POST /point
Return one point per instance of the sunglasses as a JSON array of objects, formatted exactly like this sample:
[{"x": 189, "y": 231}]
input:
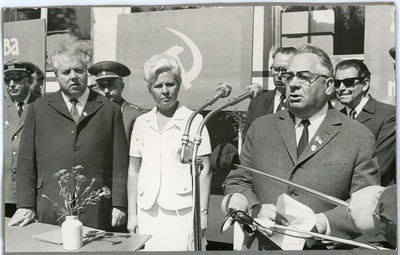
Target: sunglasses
[
  {"x": 277, "y": 69},
  {"x": 16, "y": 78},
  {"x": 348, "y": 82},
  {"x": 305, "y": 77}
]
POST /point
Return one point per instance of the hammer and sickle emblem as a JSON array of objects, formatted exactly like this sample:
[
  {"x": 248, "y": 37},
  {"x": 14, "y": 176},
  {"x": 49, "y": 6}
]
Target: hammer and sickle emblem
[{"x": 174, "y": 51}]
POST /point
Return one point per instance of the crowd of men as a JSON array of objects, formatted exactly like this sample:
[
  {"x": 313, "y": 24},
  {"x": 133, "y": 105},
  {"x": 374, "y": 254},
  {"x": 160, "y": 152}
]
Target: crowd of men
[{"x": 347, "y": 151}]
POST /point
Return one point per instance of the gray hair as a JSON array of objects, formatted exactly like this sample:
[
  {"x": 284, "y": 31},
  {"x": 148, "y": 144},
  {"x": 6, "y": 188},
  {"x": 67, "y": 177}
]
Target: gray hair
[
  {"x": 322, "y": 55},
  {"x": 158, "y": 64},
  {"x": 81, "y": 50}
]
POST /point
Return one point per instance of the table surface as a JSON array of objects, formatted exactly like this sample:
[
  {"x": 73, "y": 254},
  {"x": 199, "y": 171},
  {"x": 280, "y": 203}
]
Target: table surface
[{"x": 19, "y": 239}]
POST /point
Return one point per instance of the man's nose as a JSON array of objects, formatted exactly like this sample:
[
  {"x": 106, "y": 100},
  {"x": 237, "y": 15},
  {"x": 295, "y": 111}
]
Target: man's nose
[
  {"x": 164, "y": 89},
  {"x": 12, "y": 83},
  {"x": 106, "y": 90}
]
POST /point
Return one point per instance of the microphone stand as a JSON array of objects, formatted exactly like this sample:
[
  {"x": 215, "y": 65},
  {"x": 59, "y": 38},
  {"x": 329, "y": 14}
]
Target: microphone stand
[{"x": 196, "y": 169}]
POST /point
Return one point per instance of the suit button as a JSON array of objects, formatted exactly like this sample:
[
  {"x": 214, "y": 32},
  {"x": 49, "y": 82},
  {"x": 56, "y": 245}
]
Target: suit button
[
  {"x": 14, "y": 171},
  {"x": 14, "y": 153},
  {"x": 72, "y": 131},
  {"x": 16, "y": 137},
  {"x": 292, "y": 194}
]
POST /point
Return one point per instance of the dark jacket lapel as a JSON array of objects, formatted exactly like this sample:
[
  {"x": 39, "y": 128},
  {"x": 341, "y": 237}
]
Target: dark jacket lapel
[
  {"x": 287, "y": 131},
  {"x": 93, "y": 103},
  {"x": 368, "y": 110}
]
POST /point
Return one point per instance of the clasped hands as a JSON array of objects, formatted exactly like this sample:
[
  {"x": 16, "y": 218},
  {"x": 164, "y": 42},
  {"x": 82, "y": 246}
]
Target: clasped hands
[{"x": 25, "y": 216}]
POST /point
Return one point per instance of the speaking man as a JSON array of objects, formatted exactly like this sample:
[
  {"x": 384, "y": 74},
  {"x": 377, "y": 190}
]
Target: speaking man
[{"x": 311, "y": 144}]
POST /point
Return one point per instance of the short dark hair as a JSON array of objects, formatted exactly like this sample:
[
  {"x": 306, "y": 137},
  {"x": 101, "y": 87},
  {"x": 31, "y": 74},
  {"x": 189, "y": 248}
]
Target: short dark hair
[
  {"x": 284, "y": 50},
  {"x": 359, "y": 65}
]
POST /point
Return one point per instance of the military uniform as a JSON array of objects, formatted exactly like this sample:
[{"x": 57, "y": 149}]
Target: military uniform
[{"x": 129, "y": 114}]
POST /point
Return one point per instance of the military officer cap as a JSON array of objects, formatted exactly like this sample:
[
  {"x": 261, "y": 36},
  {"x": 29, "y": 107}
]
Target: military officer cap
[
  {"x": 109, "y": 69},
  {"x": 18, "y": 66}
]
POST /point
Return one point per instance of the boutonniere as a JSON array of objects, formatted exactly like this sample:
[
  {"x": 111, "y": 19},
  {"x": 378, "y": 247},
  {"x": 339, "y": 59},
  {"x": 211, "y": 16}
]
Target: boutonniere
[{"x": 319, "y": 140}]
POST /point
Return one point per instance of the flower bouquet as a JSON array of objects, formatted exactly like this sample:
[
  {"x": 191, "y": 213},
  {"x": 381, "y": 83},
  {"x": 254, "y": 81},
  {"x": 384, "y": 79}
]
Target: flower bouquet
[{"x": 75, "y": 197}]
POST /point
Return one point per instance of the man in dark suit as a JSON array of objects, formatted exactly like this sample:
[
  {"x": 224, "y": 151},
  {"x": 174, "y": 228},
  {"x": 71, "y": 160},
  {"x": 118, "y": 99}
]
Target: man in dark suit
[
  {"x": 311, "y": 144},
  {"x": 274, "y": 100},
  {"x": 71, "y": 127},
  {"x": 17, "y": 80},
  {"x": 352, "y": 82},
  {"x": 109, "y": 81}
]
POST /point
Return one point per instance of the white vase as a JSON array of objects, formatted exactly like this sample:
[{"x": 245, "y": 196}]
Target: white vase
[{"x": 72, "y": 233}]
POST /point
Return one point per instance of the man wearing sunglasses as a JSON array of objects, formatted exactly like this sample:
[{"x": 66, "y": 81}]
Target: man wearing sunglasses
[
  {"x": 274, "y": 100},
  {"x": 311, "y": 144},
  {"x": 109, "y": 76},
  {"x": 352, "y": 83},
  {"x": 17, "y": 80}
]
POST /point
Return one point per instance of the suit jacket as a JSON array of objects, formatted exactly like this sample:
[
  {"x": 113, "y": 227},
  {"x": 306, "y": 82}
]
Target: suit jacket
[
  {"x": 129, "y": 114},
  {"x": 386, "y": 209},
  {"x": 52, "y": 141},
  {"x": 380, "y": 119},
  {"x": 337, "y": 161},
  {"x": 259, "y": 106},
  {"x": 13, "y": 125}
]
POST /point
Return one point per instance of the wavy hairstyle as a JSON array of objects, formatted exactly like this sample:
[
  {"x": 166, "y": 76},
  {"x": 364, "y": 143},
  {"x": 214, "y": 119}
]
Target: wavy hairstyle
[{"x": 158, "y": 64}]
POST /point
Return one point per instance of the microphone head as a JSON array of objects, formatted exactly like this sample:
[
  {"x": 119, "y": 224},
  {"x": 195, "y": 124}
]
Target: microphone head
[
  {"x": 225, "y": 88},
  {"x": 224, "y": 156},
  {"x": 256, "y": 88},
  {"x": 236, "y": 202}
]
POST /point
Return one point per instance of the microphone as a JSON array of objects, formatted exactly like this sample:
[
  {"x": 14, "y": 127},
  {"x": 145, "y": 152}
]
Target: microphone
[
  {"x": 223, "y": 157},
  {"x": 252, "y": 91},
  {"x": 222, "y": 90},
  {"x": 231, "y": 203}
]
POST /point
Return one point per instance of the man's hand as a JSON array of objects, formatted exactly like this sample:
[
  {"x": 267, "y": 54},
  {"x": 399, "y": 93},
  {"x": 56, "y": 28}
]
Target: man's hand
[
  {"x": 268, "y": 218},
  {"x": 118, "y": 217},
  {"x": 361, "y": 209},
  {"x": 22, "y": 217},
  {"x": 133, "y": 223}
]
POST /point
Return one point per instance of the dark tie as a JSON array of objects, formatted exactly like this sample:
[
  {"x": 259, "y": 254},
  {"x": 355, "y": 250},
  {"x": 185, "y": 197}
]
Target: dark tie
[
  {"x": 282, "y": 103},
  {"x": 20, "y": 108},
  {"x": 74, "y": 110},
  {"x": 304, "y": 137},
  {"x": 352, "y": 114}
]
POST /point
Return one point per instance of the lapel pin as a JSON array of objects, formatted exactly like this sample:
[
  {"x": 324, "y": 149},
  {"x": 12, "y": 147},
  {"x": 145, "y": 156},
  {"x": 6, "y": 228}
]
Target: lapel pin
[
  {"x": 84, "y": 114},
  {"x": 7, "y": 123},
  {"x": 313, "y": 147},
  {"x": 319, "y": 140}
]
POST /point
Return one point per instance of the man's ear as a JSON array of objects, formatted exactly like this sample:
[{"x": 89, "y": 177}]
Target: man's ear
[
  {"x": 366, "y": 84},
  {"x": 329, "y": 86}
]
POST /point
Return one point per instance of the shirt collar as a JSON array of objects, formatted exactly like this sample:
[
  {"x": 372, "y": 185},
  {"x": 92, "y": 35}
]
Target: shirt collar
[
  {"x": 82, "y": 99},
  {"x": 25, "y": 100},
  {"x": 360, "y": 106},
  {"x": 316, "y": 119}
]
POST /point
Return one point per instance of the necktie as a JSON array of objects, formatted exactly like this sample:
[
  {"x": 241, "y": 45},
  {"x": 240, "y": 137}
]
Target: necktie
[
  {"x": 282, "y": 103},
  {"x": 352, "y": 114},
  {"x": 304, "y": 137},
  {"x": 74, "y": 110},
  {"x": 20, "y": 108}
]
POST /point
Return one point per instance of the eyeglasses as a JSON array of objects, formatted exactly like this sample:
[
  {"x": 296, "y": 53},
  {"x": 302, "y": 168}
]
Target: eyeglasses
[
  {"x": 277, "y": 69},
  {"x": 348, "y": 82},
  {"x": 16, "y": 78},
  {"x": 305, "y": 77}
]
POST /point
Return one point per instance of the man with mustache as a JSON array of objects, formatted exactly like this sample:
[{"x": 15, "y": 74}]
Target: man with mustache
[
  {"x": 17, "y": 80},
  {"x": 311, "y": 144},
  {"x": 73, "y": 126},
  {"x": 352, "y": 83},
  {"x": 109, "y": 81}
]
